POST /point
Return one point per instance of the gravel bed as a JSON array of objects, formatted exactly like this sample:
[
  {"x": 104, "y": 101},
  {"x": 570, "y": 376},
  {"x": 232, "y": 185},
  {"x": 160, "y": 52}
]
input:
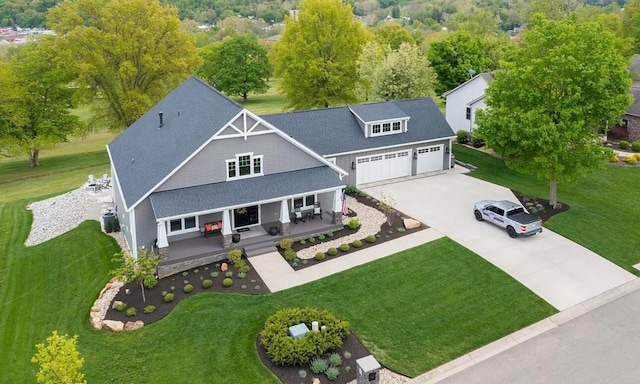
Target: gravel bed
[{"x": 371, "y": 221}]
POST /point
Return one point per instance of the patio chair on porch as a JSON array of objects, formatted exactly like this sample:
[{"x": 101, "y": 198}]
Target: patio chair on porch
[
  {"x": 317, "y": 211},
  {"x": 297, "y": 215}
]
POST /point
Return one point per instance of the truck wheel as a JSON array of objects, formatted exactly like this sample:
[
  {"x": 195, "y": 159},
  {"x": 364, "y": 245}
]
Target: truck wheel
[
  {"x": 478, "y": 215},
  {"x": 512, "y": 232}
]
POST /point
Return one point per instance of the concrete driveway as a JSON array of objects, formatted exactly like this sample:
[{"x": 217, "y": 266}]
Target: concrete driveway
[{"x": 558, "y": 270}]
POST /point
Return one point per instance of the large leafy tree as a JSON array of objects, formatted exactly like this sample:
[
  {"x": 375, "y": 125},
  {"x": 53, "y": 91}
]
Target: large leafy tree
[
  {"x": 128, "y": 54},
  {"x": 236, "y": 66},
  {"x": 393, "y": 34},
  {"x": 59, "y": 360},
  {"x": 631, "y": 22},
  {"x": 403, "y": 74},
  {"x": 317, "y": 54},
  {"x": 555, "y": 90},
  {"x": 35, "y": 98},
  {"x": 460, "y": 55}
]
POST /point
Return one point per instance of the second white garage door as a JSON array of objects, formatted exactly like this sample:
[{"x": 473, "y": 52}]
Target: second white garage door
[
  {"x": 383, "y": 166},
  {"x": 430, "y": 159}
]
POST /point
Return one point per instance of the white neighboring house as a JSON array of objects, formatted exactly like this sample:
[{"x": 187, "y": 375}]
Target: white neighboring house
[{"x": 463, "y": 101}]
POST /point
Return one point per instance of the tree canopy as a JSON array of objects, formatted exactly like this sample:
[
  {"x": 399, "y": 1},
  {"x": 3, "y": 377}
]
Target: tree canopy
[
  {"x": 236, "y": 66},
  {"x": 128, "y": 54},
  {"x": 393, "y": 34},
  {"x": 59, "y": 360},
  {"x": 317, "y": 54},
  {"x": 459, "y": 56},
  {"x": 563, "y": 82},
  {"x": 35, "y": 98},
  {"x": 140, "y": 270}
]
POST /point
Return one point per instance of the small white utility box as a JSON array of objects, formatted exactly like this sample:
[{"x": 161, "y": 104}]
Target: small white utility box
[{"x": 368, "y": 370}]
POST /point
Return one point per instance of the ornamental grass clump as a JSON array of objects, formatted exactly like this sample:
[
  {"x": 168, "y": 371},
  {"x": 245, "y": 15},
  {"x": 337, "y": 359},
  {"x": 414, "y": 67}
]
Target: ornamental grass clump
[
  {"x": 332, "y": 373},
  {"x": 318, "y": 365}
]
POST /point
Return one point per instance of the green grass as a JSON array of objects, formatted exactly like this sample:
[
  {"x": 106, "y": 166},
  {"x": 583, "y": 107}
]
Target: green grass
[
  {"x": 265, "y": 103},
  {"x": 603, "y": 205}
]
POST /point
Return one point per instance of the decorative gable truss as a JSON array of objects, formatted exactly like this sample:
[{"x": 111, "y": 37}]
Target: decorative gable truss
[{"x": 244, "y": 125}]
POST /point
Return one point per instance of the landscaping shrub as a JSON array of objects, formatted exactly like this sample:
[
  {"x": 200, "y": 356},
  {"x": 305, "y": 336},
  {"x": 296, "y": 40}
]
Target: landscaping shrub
[
  {"x": 149, "y": 309},
  {"x": 286, "y": 243},
  {"x": 312, "y": 239},
  {"x": 321, "y": 237},
  {"x": 400, "y": 229},
  {"x": 303, "y": 242},
  {"x": 227, "y": 282},
  {"x": 370, "y": 239},
  {"x": 228, "y": 274},
  {"x": 357, "y": 243},
  {"x": 185, "y": 282},
  {"x": 285, "y": 350},
  {"x": 631, "y": 160},
  {"x": 242, "y": 266},
  {"x": 637, "y": 156},
  {"x": 131, "y": 311},
  {"x": 332, "y": 251},
  {"x": 164, "y": 293},
  {"x": 120, "y": 306},
  {"x": 351, "y": 189},
  {"x": 332, "y": 373},
  {"x": 329, "y": 234},
  {"x": 335, "y": 360},
  {"x": 173, "y": 288},
  {"x": 635, "y": 146},
  {"x": 347, "y": 355},
  {"x": 462, "y": 136},
  {"x": 234, "y": 256},
  {"x": 185, "y": 273},
  {"x": 188, "y": 288},
  {"x": 196, "y": 270},
  {"x": 353, "y": 223},
  {"x": 214, "y": 274},
  {"x": 207, "y": 284},
  {"x": 613, "y": 159},
  {"x": 150, "y": 281},
  {"x": 624, "y": 144},
  {"x": 318, "y": 365},
  {"x": 241, "y": 275},
  {"x": 319, "y": 256},
  {"x": 289, "y": 254},
  {"x": 477, "y": 142},
  {"x": 344, "y": 247},
  {"x": 168, "y": 297}
]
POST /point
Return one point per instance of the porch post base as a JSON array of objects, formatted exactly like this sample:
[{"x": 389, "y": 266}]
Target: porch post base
[
  {"x": 336, "y": 217},
  {"x": 285, "y": 229},
  {"x": 163, "y": 253},
  {"x": 226, "y": 241}
]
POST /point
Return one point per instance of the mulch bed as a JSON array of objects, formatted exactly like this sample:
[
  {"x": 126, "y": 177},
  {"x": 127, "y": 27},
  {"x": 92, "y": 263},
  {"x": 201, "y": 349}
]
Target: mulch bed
[
  {"x": 547, "y": 210},
  {"x": 292, "y": 374},
  {"x": 251, "y": 284},
  {"x": 387, "y": 233}
]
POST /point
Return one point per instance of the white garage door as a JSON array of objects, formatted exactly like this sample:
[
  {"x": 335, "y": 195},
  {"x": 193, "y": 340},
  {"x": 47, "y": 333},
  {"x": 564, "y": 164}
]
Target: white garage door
[
  {"x": 430, "y": 159},
  {"x": 383, "y": 166}
]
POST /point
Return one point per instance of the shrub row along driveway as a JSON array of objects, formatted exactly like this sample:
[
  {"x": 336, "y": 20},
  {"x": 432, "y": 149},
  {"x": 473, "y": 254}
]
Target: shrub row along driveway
[{"x": 558, "y": 270}]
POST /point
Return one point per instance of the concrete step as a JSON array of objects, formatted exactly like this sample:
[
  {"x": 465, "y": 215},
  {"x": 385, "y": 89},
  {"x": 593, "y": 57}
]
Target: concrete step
[{"x": 256, "y": 251}]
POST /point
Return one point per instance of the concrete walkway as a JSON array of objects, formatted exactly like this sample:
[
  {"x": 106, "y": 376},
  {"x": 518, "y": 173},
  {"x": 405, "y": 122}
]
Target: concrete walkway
[
  {"x": 558, "y": 270},
  {"x": 278, "y": 275}
]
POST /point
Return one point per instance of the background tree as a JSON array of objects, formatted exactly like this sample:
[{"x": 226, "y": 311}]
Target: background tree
[
  {"x": 128, "y": 54},
  {"x": 631, "y": 22},
  {"x": 59, "y": 361},
  {"x": 141, "y": 270},
  {"x": 404, "y": 74},
  {"x": 454, "y": 56},
  {"x": 236, "y": 66},
  {"x": 393, "y": 34},
  {"x": 35, "y": 98},
  {"x": 553, "y": 9},
  {"x": 316, "y": 57},
  {"x": 550, "y": 98},
  {"x": 370, "y": 59}
]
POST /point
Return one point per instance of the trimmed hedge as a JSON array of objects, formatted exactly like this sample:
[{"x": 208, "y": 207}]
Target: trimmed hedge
[{"x": 283, "y": 349}]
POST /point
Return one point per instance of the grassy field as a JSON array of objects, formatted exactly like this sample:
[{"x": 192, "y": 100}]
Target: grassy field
[
  {"x": 265, "y": 103},
  {"x": 603, "y": 206},
  {"x": 432, "y": 303}
]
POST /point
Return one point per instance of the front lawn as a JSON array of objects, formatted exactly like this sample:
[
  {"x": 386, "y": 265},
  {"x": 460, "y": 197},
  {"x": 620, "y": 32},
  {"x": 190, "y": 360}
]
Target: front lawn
[{"x": 603, "y": 206}]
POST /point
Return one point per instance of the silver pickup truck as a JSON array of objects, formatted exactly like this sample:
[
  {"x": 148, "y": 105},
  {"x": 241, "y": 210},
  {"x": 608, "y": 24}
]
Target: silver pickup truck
[{"x": 508, "y": 215}]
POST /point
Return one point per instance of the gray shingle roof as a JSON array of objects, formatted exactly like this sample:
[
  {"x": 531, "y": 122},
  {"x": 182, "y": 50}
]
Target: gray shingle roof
[
  {"x": 145, "y": 153},
  {"x": 242, "y": 192},
  {"x": 378, "y": 111},
  {"x": 634, "y": 109},
  {"x": 336, "y": 130}
]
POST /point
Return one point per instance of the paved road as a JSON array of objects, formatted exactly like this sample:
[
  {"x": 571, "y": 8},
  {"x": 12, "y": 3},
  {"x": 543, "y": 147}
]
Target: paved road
[
  {"x": 601, "y": 346},
  {"x": 560, "y": 271}
]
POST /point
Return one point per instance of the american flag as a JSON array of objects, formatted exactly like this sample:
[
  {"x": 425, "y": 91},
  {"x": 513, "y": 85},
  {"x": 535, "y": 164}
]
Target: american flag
[{"x": 345, "y": 208}]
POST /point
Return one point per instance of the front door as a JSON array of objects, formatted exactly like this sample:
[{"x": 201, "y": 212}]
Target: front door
[{"x": 245, "y": 216}]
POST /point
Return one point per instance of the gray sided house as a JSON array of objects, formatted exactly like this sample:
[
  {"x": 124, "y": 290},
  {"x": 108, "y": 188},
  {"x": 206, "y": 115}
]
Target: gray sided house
[{"x": 199, "y": 174}]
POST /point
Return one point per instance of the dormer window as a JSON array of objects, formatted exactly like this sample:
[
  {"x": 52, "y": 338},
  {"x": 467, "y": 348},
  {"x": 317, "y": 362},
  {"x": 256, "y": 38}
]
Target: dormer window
[
  {"x": 244, "y": 165},
  {"x": 378, "y": 129}
]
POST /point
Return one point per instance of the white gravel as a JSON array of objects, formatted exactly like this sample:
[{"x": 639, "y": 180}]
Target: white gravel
[{"x": 371, "y": 221}]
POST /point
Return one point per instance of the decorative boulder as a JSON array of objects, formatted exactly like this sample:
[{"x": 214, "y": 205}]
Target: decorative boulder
[
  {"x": 113, "y": 326},
  {"x": 116, "y": 303},
  {"x": 411, "y": 224},
  {"x": 224, "y": 267},
  {"x": 133, "y": 325},
  {"x": 96, "y": 320}
]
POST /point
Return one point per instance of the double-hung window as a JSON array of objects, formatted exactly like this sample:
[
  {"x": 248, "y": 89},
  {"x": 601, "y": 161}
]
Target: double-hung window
[
  {"x": 183, "y": 224},
  {"x": 304, "y": 202},
  {"x": 244, "y": 165}
]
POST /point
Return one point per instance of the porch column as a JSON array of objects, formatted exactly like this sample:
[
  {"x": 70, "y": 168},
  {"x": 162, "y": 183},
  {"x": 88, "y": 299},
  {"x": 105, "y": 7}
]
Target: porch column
[
  {"x": 284, "y": 218},
  {"x": 226, "y": 229},
  {"x": 162, "y": 242},
  {"x": 337, "y": 207}
]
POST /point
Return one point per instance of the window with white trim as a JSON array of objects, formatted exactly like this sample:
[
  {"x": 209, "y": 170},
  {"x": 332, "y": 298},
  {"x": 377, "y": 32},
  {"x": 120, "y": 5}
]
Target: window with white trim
[
  {"x": 468, "y": 113},
  {"x": 304, "y": 202},
  {"x": 184, "y": 224},
  {"x": 244, "y": 165},
  {"x": 387, "y": 128}
]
